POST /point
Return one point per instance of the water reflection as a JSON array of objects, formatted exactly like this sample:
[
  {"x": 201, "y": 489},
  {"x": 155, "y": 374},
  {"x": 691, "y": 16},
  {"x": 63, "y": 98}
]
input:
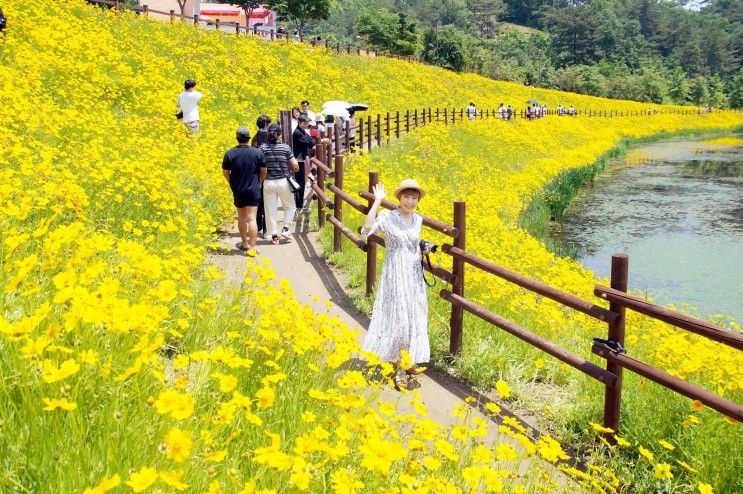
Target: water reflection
[{"x": 677, "y": 209}]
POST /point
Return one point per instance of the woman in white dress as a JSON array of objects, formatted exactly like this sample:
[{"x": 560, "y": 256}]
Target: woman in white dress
[{"x": 400, "y": 315}]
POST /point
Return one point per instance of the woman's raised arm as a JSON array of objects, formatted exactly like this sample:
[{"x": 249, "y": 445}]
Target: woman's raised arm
[{"x": 379, "y": 194}]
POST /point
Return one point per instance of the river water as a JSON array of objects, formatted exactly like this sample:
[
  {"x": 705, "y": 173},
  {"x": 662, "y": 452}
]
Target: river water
[{"x": 676, "y": 208}]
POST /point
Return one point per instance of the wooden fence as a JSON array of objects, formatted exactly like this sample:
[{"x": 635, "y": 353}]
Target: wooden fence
[{"x": 329, "y": 160}]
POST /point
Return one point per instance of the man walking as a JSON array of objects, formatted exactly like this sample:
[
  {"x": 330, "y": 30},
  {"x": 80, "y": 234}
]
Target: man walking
[
  {"x": 244, "y": 167},
  {"x": 188, "y": 106},
  {"x": 303, "y": 144},
  {"x": 471, "y": 111}
]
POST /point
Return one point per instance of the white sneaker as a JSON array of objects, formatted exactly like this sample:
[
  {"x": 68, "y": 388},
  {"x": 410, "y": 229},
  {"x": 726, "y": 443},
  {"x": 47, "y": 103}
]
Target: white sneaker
[{"x": 285, "y": 233}]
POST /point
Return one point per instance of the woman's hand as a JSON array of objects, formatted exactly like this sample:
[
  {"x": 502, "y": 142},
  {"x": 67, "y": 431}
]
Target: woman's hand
[{"x": 379, "y": 192}]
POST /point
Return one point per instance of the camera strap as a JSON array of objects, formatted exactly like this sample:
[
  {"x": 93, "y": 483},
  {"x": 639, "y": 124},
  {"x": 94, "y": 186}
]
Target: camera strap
[{"x": 427, "y": 261}]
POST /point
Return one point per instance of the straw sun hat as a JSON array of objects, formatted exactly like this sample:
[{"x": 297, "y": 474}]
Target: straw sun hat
[{"x": 409, "y": 183}]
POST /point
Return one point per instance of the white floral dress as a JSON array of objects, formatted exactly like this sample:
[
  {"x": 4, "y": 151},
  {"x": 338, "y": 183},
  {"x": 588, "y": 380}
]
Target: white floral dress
[{"x": 400, "y": 316}]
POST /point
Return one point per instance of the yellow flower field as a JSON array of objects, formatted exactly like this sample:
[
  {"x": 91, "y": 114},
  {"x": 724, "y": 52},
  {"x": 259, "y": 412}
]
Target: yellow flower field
[{"x": 126, "y": 365}]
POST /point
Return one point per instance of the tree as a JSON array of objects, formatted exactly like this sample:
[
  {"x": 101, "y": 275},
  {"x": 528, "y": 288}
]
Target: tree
[
  {"x": 575, "y": 31},
  {"x": 678, "y": 89},
  {"x": 182, "y": 6},
  {"x": 717, "y": 96},
  {"x": 699, "y": 92},
  {"x": 298, "y": 12},
  {"x": 387, "y": 31},
  {"x": 248, "y": 7},
  {"x": 444, "y": 47},
  {"x": 486, "y": 13},
  {"x": 736, "y": 91},
  {"x": 654, "y": 86}
]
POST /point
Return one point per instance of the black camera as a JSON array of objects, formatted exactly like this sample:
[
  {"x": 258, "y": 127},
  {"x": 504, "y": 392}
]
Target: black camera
[{"x": 425, "y": 245}]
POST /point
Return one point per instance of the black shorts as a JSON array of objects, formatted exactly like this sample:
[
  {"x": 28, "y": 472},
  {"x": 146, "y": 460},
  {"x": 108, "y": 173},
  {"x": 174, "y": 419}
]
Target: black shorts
[{"x": 245, "y": 200}]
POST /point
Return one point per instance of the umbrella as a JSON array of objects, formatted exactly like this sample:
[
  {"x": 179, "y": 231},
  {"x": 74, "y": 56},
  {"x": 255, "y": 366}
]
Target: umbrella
[
  {"x": 336, "y": 108},
  {"x": 358, "y": 107},
  {"x": 532, "y": 102}
]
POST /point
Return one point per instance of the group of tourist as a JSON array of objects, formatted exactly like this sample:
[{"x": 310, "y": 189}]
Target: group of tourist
[{"x": 570, "y": 111}]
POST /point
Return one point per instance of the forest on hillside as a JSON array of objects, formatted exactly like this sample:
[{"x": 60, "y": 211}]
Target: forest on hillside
[{"x": 658, "y": 51}]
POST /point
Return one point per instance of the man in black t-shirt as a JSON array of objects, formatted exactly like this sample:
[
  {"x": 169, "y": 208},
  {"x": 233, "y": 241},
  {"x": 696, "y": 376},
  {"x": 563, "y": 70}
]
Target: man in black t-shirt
[
  {"x": 244, "y": 167},
  {"x": 302, "y": 144}
]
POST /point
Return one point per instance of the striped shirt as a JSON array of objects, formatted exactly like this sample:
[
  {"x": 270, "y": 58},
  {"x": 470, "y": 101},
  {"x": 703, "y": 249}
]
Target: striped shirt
[{"x": 277, "y": 160}]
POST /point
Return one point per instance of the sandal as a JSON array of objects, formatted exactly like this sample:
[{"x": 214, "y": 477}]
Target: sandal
[
  {"x": 400, "y": 382},
  {"x": 275, "y": 240},
  {"x": 240, "y": 246},
  {"x": 413, "y": 383}
]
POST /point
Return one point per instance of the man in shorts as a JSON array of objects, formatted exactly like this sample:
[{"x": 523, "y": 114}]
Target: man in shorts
[{"x": 244, "y": 167}]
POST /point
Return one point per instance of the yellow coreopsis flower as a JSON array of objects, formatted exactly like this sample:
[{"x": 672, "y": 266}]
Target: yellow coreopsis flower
[
  {"x": 178, "y": 444},
  {"x": 503, "y": 389},
  {"x": 104, "y": 486},
  {"x": 54, "y": 404},
  {"x": 173, "y": 479},
  {"x": 179, "y": 405},
  {"x": 379, "y": 454},
  {"x": 52, "y": 373},
  {"x": 646, "y": 453},
  {"x": 663, "y": 471},
  {"x": 142, "y": 479},
  {"x": 266, "y": 397}
]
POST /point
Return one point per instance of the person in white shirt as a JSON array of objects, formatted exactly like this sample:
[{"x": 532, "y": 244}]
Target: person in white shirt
[
  {"x": 471, "y": 111},
  {"x": 188, "y": 105}
]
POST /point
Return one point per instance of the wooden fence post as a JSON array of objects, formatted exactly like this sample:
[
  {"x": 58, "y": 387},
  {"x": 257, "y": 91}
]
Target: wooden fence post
[
  {"x": 320, "y": 155},
  {"x": 379, "y": 130},
  {"x": 145, "y": 10},
  {"x": 371, "y": 245},
  {"x": 216, "y": 24},
  {"x": 457, "y": 313},
  {"x": 613, "y": 395},
  {"x": 172, "y": 16},
  {"x": 437, "y": 115},
  {"x": 368, "y": 132},
  {"x": 285, "y": 120},
  {"x": 347, "y": 136},
  {"x": 237, "y": 29},
  {"x": 407, "y": 121},
  {"x": 338, "y": 203},
  {"x": 360, "y": 134},
  {"x": 337, "y": 132},
  {"x": 397, "y": 125},
  {"x": 117, "y": 6},
  {"x": 446, "y": 116},
  {"x": 196, "y": 20},
  {"x": 415, "y": 118},
  {"x": 387, "y": 127}
]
